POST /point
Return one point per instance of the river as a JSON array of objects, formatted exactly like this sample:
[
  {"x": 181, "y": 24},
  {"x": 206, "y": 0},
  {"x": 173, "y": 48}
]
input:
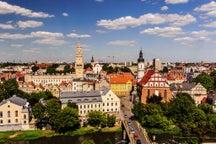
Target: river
[{"x": 99, "y": 138}]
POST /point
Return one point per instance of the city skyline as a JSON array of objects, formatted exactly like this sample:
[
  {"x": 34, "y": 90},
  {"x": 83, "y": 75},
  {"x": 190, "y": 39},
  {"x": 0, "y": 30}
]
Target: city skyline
[{"x": 171, "y": 30}]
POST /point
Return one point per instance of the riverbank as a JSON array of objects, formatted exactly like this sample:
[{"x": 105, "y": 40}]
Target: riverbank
[{"x": 36, "y": 134}]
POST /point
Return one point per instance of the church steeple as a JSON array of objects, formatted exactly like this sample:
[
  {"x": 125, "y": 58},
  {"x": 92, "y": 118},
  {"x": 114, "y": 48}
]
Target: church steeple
[
  {"x": 92, "y": 60},
  {"x": 140, "y": 59}
]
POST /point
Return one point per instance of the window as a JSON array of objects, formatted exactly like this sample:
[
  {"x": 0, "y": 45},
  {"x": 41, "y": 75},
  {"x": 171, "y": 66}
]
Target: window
[
  {"x": 1, "y": 114},
  {"x": 107, "y": 104},
  {"x": 8, "y": 113},
  {"x": 8, "y": 106},
  {"x": 16, "y": 113},
  {"x": 24, "y": 116},
  {"x": 1, "y": 121},
  {"x": 16, "y": 120},
  {"x": 111, "y": 104},
  {"x": 9, "y": 121},
  {"x": 24, "y": 122}
]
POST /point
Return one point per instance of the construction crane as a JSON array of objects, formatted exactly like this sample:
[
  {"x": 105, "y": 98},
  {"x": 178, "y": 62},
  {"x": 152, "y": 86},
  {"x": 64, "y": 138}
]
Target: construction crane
[{"x": 112, "y": 58}]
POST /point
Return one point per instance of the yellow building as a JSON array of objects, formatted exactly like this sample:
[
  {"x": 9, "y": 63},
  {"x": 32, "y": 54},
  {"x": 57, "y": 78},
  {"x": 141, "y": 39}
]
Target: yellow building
[
  {"x": 79, "y": 66},
  {"x": 14, "y": 114},
  {"x": 122, "y": 83}
]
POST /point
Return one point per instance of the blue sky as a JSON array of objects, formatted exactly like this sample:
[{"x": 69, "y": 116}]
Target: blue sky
[{"x": 48, "y": 30}]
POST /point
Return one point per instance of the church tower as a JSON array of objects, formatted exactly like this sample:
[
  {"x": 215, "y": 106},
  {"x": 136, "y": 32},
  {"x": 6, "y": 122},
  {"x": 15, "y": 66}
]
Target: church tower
[
  {"x": 79, "y": 66},
  {"x": 92, "y": 61},
  {"x": 140, "y": 66}
]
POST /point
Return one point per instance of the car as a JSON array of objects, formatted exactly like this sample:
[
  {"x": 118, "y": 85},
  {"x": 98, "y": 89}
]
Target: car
[
  {"x": 138, "y": 141},
  {"x": 125, "y": 116}
]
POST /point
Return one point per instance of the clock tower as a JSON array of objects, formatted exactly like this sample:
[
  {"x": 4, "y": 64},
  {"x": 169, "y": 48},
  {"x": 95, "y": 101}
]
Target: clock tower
[{"x": 79, "y": 66}]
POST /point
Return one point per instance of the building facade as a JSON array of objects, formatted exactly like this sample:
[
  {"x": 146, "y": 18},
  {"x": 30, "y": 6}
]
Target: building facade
[
  {"x": 196, "y": 91},
  {"x": 14, "y": 114},
  {"x": 102, "y": 100},
  {"x": 122, "y": 83},
  {"x": 152, "y": 84}
]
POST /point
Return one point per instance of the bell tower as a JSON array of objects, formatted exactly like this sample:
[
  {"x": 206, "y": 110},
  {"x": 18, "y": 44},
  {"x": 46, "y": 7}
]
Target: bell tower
[
  {"x": 140, "y": 66},
  {"x": 79, "y": 66}
]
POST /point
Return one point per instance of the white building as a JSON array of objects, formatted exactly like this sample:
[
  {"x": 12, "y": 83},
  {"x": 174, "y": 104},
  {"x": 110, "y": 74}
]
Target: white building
[{"x": 102, "y": 100}]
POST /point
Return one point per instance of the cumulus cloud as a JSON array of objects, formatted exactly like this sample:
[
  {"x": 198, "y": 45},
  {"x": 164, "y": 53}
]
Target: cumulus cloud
[
  {"x": 6, "y": 8},
  {"x": 163, "y": 32},
  {"x": 154, "y": 19},
  {"x": 50, "y": 41},
  {"x": 29, "y": 24},
  {"x": 189, "y": 40},
  {"x": 122, "y": 43},
  {"x": 65, "y": 14},
  {"x": 74, "y": 35},
  {"x": 6, "y": 26},
  {"x": 44, "y": 34},
  {"x": 209, "y": 9},
  {"x": 175, "y": 1},
  {"x": 164, "y": 8},
  {"x": 210, "y": 25},
  {"x": 14, "y": 36}
]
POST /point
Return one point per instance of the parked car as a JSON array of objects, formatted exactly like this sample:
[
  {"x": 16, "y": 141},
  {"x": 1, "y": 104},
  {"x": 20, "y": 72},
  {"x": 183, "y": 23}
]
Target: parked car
[
  {"x": 129, "y": 123},
  {"x": 138, "y": 141}
]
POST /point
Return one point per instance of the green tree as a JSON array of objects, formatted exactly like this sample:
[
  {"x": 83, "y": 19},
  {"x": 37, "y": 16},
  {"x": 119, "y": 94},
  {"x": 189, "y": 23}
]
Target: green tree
[
  {"x": 154, "y": 99},
  {"x": 207, "y": 108},
  {"x": 72, "y": 105},
  {"x": 213, "y": 76},
  {"x": 68, "y": 120},
  {"x": 111, "y": 119},
  {"x": 91, "y": 141},
  {"x": 95, "y": 118},
  {"x": 34, "y": 68},
  {"x": 52, "y": 108},
  {"x": 205, "y": 80},
  {"x": 87, "y": 65},
  {"x": 11, "y": 87},
  {"x": 38, "y": 111}
]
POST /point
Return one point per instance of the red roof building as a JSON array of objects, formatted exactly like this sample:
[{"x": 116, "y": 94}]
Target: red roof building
[{"x": 151, "y": 84}]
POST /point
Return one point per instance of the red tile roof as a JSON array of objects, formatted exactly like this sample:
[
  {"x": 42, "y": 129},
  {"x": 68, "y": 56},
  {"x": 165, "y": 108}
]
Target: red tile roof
[
  {"x": 88, "y": 69},
  {"x": 121, "y": 78},
  {"x": 146, "y": 77}
]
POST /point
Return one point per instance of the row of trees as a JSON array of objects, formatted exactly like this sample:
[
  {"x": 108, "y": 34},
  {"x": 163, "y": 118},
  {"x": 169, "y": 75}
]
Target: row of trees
[
  {"x": 67, "y": 119},
  {"x": 180, "y": 116}
]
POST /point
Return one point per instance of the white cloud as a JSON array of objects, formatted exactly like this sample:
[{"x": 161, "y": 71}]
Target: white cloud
[
  {"x": 209, "y": 9},
  {"x": 29, "y": 24},
  {"x": 163, "y": 32},
  {"x": 6, "y": 26},
  {"x": 210, "y": 25},
  {"x": 32, "y": 50},
  {"x": 203, "y": 33},
  {"x": 44, "y": 34},
  {"x": 6, "y": 8},
  {"x": 65, "y": 14},
  {"x": 122, "y": 43},
  {"x": 14, "y": 36},
  {"x": 176, "y": 1},
  {"x": 190, "y": 40},
  {"x": 74, "y": 35},
  {"x": 164, "y": 8},
  {"x": 154, "y": 19},
  {"x": 50, "y": 41},
  {"x": 99, "y": 0},
  {"x": 101, "y": 31},
  {"x": 16, "y": 45}
]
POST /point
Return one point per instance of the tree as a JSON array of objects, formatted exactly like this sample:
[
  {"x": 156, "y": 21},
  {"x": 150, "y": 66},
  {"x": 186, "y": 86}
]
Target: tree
[
  {"x": 38, "y": 111},
  {"x": 52, "y": 108},
  {"x": 88, "y": 65},
  {"x": 213, "y": 76},
  {"x": 154, "y": 99},
  {"x": 91, "y": 141},
  {"x": 11, "y": 87},
  {"x": 68, "y": 120},
  {"x": 95, "y": 118},
  {"x": 34, "y": 68},
  {"x": 165, "y": 70},
  {"x": 207, "y": 108},
  {"x": 181, "y": 107},
  {"x": 111, "y": 119},
  {"x": 72, "y": 105},
  {"x": 205, "y": 80}
]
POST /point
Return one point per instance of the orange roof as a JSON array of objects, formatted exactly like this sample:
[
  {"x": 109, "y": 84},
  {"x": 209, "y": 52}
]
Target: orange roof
[
  {"x": 88, "y": 69},
  {"x": 146, "y": 77},
  {"x": 121, "y": 78},
  {"x": 204, "y": 100}
]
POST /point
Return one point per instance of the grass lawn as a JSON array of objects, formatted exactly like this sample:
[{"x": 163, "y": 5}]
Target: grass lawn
[{"x": 35, "y": 134}]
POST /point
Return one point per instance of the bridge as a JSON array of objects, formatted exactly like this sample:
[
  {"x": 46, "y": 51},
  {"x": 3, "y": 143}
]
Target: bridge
[{"x": 128, "y": 136}]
